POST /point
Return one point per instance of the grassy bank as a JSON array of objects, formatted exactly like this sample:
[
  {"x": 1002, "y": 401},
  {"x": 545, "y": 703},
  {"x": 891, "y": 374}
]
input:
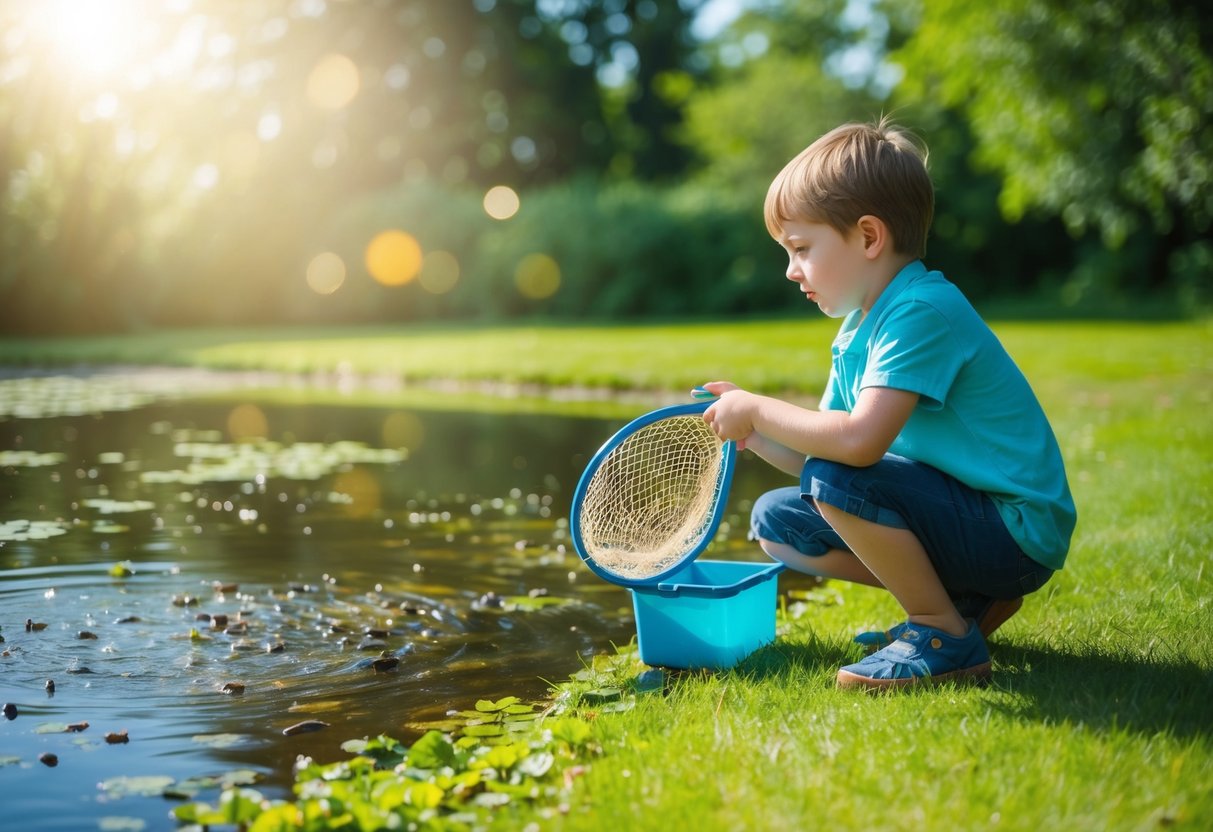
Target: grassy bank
[
  {"x": 770, "y": 355},
  {"x": 1098, "y": 716}
]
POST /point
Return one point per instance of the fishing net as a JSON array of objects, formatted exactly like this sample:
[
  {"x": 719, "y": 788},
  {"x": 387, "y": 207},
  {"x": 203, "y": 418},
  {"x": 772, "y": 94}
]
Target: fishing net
[{"x": 651, "y": 500}]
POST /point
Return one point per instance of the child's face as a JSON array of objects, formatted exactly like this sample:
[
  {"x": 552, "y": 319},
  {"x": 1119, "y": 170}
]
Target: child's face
[{"x": 827, "y": 266}]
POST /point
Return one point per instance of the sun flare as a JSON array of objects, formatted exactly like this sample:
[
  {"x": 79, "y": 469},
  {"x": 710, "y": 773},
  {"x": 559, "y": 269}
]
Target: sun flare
[{"x": 91, "y": 36}]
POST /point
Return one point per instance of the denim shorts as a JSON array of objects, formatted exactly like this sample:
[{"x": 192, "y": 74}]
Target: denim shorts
[{"x": 960, "y": 528}]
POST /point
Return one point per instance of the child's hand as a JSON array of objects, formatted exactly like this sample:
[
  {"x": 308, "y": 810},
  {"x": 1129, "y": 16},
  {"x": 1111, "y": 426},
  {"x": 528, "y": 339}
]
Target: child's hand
[{"x": 730, "y": 417}]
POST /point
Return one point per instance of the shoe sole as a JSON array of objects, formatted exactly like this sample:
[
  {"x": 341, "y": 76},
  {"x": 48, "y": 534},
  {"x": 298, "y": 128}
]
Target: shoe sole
[
  {"x": 997, "y": 615},
  {"x": 977, "y": 674}
]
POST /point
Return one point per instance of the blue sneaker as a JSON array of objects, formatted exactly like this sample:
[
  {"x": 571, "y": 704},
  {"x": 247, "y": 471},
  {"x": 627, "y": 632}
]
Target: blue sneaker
[
  {"x": 989, "y": 613},
  {"x": 921, "y": 655},
  {"x": 873, "y": 640}
]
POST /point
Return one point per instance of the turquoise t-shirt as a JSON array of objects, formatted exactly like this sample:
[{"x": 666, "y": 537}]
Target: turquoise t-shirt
[{"x": 977, "y": 418}]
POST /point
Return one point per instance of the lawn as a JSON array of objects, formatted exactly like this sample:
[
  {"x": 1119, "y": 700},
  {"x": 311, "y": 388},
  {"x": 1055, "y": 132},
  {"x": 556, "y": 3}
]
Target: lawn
[{"x": 1098, "y": 717}]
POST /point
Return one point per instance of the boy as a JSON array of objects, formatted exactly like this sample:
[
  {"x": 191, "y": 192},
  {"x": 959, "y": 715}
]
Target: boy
[{"x": 930, "y": 468}]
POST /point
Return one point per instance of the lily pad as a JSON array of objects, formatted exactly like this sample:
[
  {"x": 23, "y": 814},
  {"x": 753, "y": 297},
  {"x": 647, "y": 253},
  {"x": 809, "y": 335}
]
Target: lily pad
[
  {"x": 150, "y": 785},
  {"x": 106, "y": 506},
  {"x": 18, "y": 530},
  {"x": 115, "y": 823},
  {"x": 51, "y": 728},
  {"x": 218, "y": 740},
  {"x": 530, "y": 603},
  {"x": 29, "y": 459},
  {"x": 213, "y": 461}
]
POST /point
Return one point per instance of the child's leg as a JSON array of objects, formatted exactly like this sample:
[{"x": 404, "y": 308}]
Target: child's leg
[
  {"x": 900, "y": 563},
  {"x": 834, "y": 563},
  {"x": 791, "y": 530}
]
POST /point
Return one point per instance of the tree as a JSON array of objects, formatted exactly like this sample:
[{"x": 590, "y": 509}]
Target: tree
[
  {"x": 1096, "y": 111},
  {"x": 165, "y": 163},
  {"x": 772, "y": 93}
]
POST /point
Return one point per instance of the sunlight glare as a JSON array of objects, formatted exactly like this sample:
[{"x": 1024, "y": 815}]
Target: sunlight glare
[{"x": 93, "y": 37}]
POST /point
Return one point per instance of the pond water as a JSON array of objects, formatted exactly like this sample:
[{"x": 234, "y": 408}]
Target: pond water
[{"x": 196, "y": 572}]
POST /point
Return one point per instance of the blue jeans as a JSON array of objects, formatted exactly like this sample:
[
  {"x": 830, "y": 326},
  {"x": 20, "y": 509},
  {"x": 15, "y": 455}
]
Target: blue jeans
[{"x": 960, "y": 528}]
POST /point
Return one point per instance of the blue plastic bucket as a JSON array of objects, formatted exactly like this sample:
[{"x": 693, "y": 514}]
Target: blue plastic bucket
[{"x": 709, "y": 614}]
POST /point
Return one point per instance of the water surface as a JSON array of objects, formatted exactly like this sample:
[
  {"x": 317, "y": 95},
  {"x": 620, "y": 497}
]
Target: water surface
[{"x": 328, "y": 536}]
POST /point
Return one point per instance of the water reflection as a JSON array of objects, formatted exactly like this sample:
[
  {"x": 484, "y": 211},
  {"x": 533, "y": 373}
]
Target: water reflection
[{"x": 290, "y": 581}]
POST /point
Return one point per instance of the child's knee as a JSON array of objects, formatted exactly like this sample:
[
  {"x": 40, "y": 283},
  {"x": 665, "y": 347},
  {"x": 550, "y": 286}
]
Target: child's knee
[{"x": 785, "y": 518}]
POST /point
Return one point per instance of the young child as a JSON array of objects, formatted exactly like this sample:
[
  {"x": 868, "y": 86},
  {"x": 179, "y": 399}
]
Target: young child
[{"x": 930, "y": 468}]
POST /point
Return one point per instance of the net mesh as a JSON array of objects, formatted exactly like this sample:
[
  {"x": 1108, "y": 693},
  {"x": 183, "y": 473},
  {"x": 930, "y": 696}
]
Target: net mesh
[{"x": 651, "y": 500}]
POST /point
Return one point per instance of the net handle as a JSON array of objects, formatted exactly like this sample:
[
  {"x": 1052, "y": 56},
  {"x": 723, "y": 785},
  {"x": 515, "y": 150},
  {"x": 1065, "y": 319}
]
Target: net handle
[{"x": 728, "y": 452}]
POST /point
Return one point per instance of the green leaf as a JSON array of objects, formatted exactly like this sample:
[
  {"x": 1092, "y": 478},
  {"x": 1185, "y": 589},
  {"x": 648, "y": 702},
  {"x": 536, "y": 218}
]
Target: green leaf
[
  {"x": 433, "y": 750},
  {"x": 601, "y": 695},
  {"x": 279, "y": 817},
  {"x": 152, "y": 785},
  {"x": 239, "y": 806},
  {"x": 423, "y": 795},
  {"x": 494, "y": 729},
  {"x": 571, "y": 730},
  {"x": 489, "y": 706},
  {"x": 502, "y": 757}
]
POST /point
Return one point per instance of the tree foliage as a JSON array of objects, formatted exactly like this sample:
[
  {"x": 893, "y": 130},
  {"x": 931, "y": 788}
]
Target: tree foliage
[
  {"x": 174, "y": 163},
  {"x": 1097, "y": 111}
]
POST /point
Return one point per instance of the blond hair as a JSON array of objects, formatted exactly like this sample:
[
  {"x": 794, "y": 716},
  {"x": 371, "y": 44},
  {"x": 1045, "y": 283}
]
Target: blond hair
[{"x": 857, "y": 169}]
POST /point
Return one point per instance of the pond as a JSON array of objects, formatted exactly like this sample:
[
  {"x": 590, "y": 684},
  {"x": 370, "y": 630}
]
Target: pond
[{"x": 191, "y": 569}]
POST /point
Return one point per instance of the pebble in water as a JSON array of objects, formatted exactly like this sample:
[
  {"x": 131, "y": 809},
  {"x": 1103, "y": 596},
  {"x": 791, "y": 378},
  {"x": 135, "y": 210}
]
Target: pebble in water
[
  {"x": 305, "y": 727},
  {"x": 48, "y": 759}
]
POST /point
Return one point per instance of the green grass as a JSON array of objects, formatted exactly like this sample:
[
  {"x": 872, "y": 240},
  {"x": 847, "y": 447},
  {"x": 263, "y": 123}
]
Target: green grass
[{"x": 1099, "y": 716}]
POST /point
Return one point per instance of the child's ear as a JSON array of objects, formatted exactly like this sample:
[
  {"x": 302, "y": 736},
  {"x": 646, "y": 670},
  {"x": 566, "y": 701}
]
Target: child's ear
[{"x": 875, "y": 235}]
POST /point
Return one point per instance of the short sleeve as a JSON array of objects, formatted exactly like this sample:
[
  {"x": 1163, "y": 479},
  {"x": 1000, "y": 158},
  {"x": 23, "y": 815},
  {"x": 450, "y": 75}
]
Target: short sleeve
[
  {"x": 915, "y": 349},
  {"x": 832, "y": 398}
]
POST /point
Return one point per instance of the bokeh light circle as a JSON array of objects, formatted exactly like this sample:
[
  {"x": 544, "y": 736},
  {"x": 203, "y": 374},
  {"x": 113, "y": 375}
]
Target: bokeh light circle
[
  {"x": 247, "y": 421},
  {"x": 402, "y": 429},
  {"x": 501, "y": 202},
  {"x": 537, "y": 276},
  {"x": 333, "y": 82},
  {"x": 393, "y": 257},
  {"x": 325, "y": 273},
  {"x": 439, "y": 272}
]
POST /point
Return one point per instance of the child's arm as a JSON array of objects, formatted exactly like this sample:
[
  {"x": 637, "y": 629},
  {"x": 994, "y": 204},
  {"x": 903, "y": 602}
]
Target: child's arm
[
  {"x": 859, "y": 437},
  {"x": 779, "y": 456}
]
